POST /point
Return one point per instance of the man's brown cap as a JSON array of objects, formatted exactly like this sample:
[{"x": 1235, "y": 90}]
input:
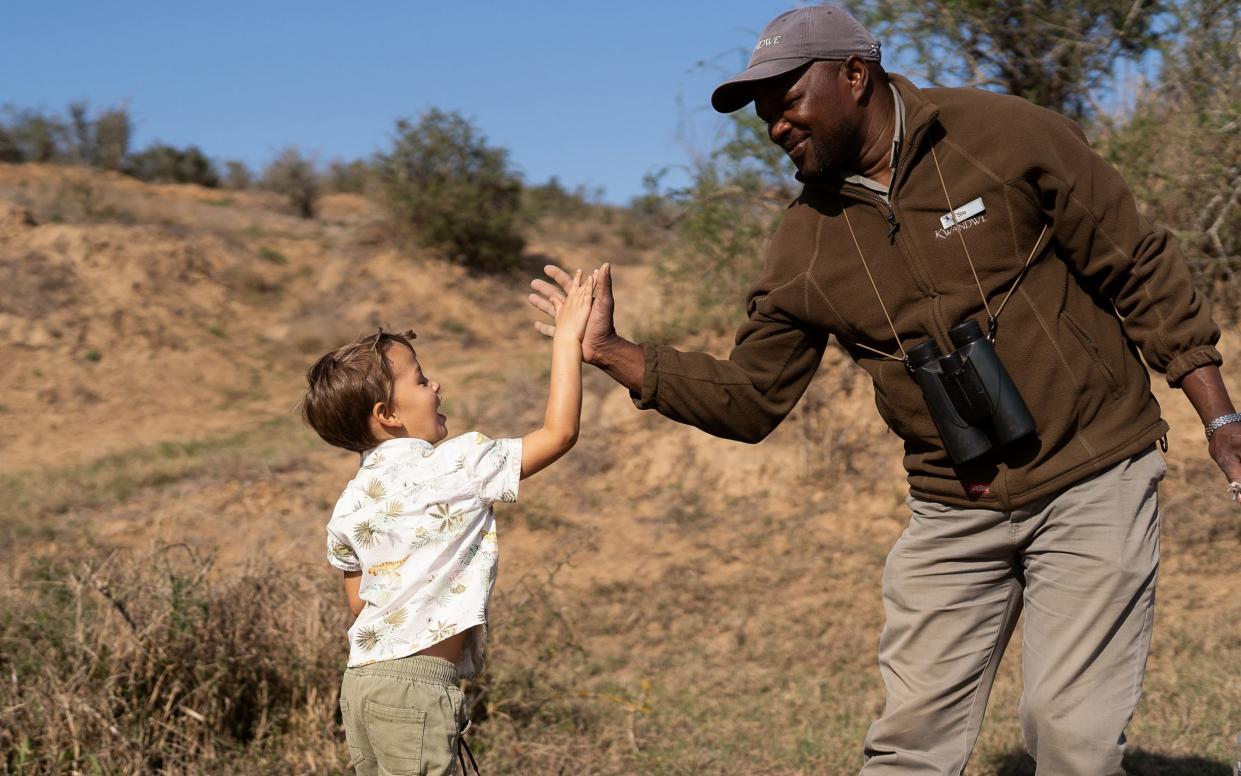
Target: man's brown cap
[{"x": 791, "y": 40}]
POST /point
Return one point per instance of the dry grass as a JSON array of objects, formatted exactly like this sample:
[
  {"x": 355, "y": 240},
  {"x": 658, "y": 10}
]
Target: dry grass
[{"x": 147, "y": 662}]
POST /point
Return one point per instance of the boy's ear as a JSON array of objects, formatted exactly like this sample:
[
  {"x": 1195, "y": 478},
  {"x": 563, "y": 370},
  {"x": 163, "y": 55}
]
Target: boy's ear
[{"x": 386, "y": 416}]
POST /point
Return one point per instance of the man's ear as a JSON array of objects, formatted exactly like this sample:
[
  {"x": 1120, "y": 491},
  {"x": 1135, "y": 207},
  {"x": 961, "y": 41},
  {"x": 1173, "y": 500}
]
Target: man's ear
[
  {"x": 855, "y": 71},
  {"x": 385, "y": 415}
]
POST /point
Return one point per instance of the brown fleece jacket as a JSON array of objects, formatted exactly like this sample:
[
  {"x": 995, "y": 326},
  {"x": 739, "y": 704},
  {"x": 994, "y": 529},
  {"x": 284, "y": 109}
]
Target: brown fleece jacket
[{"x": 1104, "y": 285}]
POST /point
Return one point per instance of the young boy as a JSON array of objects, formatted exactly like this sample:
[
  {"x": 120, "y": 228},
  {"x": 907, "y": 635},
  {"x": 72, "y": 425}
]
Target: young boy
[{"x": 414, "y": 534}]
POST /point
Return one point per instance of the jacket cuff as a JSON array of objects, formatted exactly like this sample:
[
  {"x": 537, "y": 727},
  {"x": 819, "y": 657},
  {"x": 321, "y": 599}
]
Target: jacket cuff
[
  {"x": 650, "y": 378},
  {"x": 1184, "y": 363}
]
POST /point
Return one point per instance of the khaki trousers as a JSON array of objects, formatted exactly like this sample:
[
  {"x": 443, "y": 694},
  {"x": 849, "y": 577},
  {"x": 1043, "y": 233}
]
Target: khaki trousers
[
  {"x": 402, "y": 717},
  {"x": 1082, "y": 563}
]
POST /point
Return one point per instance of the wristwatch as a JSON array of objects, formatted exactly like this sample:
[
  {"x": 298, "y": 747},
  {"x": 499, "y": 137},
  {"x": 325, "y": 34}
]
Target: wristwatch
[{"x": 1221, "y": 421}]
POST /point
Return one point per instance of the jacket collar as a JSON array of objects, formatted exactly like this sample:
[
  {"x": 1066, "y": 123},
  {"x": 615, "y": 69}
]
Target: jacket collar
[{"x": 919, "y": 110}]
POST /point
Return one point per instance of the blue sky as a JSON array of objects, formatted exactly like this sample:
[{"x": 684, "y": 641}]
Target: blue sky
[{"x": 594, "y": 93}]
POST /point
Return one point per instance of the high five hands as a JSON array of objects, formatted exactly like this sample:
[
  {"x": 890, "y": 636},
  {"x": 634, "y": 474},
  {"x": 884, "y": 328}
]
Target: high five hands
[
  {"x": 573, "y": 310},
  {"x": 549, "y": 297}
]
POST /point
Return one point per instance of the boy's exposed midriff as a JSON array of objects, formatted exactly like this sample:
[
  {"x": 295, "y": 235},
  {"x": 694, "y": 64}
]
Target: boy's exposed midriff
[{"x": 448, "y": 649}]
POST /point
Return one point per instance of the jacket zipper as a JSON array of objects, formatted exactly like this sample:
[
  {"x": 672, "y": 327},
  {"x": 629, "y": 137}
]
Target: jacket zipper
[
  {"x": 888, "y": 212},
  {"x": 888, "y": 209}
]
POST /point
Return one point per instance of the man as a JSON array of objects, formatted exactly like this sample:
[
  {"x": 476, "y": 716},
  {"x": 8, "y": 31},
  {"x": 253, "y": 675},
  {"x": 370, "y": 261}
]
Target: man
[{"x": 921, "y": 210}]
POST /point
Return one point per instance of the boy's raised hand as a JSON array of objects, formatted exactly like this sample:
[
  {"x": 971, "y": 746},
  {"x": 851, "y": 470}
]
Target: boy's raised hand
[{"x": 573, "y": 311}]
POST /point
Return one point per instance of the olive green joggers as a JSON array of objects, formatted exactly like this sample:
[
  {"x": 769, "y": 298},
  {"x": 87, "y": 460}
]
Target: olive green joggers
[{"x": 402, "y": 717}]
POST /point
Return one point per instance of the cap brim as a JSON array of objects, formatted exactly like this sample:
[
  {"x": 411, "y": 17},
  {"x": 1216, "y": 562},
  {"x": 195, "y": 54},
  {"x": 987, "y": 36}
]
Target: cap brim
[{"x": 737, "y": 92}]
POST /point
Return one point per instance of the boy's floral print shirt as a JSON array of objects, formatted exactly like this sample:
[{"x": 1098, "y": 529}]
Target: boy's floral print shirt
[{"x": 417, "y": 522}]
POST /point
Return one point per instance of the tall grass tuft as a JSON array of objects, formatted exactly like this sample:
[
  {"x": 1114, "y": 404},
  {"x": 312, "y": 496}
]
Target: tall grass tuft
[{"x": 152, "y": 662}]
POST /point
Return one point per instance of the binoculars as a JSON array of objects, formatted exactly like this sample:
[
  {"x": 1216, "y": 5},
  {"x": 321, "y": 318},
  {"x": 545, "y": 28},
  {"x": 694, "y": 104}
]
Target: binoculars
[{"x": 973, "y": 401}]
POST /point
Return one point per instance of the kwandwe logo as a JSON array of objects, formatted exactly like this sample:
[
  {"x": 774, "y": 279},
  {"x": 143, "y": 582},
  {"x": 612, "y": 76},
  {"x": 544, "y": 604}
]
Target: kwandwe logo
[
  {"x": 765, "y": 42},
  {"x": 968, "y": 223}
]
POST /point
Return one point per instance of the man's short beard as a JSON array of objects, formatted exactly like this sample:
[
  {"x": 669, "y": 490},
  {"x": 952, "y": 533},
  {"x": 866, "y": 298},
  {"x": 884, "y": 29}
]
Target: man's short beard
[{"x": 829, "y": 167}]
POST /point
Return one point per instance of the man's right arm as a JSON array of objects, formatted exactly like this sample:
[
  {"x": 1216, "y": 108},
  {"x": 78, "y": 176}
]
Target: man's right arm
[{"x": 742, "y": 397}]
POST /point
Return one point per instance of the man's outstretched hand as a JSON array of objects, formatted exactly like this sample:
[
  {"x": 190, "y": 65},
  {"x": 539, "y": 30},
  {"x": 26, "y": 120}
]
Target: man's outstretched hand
[
  {"x": 1206, "y": 391},
  {"x": 1225, "y": 448},
  {"x": 600, "y": 327}
]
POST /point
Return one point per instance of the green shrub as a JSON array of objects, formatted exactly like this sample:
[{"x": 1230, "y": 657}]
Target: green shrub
[
  {"x": 110, "y": 138},
  {"x": 162, "y": 163},
  {"x": 272, "y": 255},
  {"x": 9, "y": 152},
  {"x": 237, "y": 175},
  {"x": 1179, "y": 149},
  {"x": 553, "y": 199},
  {"x": 443, "y": 185},
  {"x": 101, "y": 140},
  {"x": 348, "y": 177},
  {"x": 293, "y": 175},
  {"x": 721, "y": 223},
  {"x": 33, "y": 136}
]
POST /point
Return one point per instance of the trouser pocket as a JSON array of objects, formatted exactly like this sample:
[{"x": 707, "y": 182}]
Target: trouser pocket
[{"x": 396, "y": 736}]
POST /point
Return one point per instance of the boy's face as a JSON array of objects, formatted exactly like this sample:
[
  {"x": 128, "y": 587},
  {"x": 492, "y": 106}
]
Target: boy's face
[{"x": 415, "y": 398}]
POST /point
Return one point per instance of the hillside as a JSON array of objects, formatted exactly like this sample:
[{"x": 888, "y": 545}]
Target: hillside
[{"x": 669, "y": 603}]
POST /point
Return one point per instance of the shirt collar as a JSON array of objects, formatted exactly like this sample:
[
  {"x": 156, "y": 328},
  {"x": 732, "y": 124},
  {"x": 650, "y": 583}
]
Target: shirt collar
[
  {"x": 898, "y": 140},
  {"x": 412, "y": 444},
  {"x": 898, "y": 134}
]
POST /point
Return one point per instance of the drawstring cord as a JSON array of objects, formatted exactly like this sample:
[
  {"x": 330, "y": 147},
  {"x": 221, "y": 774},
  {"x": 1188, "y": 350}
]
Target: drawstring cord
[{"x": 463, "y": 750}]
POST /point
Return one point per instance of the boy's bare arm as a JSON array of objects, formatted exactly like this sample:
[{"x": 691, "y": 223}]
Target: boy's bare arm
[
  {"x": 353, "y": 580},
  {"x": 564, "y": 400}
]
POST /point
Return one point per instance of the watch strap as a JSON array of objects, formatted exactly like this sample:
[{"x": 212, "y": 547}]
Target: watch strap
[{"x": 1221, "y": 421}]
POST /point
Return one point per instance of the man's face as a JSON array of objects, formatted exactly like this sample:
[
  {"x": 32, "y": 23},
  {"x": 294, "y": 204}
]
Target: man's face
[
  {"x": 415, "y": 397},
  {"x": 811, "y": 113}
]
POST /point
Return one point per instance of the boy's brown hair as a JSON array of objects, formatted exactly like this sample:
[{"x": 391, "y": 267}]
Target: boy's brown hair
[{"x": 345, "y": 384}]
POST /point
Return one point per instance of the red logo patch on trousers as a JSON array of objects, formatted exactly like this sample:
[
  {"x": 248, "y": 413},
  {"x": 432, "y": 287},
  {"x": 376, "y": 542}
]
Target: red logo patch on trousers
[{"x": 978, "y": 489}]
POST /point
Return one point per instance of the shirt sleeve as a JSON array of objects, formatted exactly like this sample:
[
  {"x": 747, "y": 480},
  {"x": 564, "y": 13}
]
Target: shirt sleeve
[
  {"x": 340, "y": 552},
  {"x": 494, "y": 467}
]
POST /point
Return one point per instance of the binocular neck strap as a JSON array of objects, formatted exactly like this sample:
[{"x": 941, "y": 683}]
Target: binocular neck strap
[
  {"x": 904, "y": 357},
  {"x": 1018, "y": 279},
  {"x": 992, "y": 317},
  {"x": 952, "y": 211}
]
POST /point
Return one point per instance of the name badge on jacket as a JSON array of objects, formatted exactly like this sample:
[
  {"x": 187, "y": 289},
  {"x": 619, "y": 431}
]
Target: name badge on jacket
[{"x": 968, "y": 210}]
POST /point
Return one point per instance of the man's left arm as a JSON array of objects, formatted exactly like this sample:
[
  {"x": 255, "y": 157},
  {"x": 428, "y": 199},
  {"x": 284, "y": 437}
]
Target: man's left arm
[{"x": 1140, "y": 269}]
